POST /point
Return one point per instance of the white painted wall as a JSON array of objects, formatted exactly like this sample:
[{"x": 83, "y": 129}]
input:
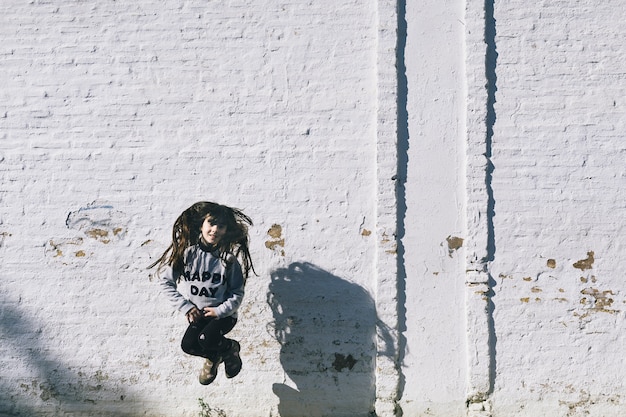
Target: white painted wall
[
  {"x": 559, "y": 180},
  {"x": 434, "y": 362},
  {"x": 117, "y": 115}
]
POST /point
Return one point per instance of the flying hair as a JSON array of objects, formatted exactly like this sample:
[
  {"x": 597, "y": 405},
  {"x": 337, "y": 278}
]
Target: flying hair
[{"x": 186, "y": 233}]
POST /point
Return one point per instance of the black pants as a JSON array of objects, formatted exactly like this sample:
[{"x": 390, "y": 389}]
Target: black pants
[{"x": 205, "y": 338}]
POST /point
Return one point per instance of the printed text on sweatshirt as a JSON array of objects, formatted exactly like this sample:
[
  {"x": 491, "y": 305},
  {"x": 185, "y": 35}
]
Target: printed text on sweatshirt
[{"x": 206, "y": 281}]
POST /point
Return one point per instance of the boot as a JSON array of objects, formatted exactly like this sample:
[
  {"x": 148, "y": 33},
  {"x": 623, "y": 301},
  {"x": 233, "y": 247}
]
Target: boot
[
  {"x": 209, "y": 371},
  {"x": 232, "y": 360}
]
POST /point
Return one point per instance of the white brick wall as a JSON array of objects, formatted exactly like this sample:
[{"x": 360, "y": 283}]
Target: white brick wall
[
  {"x": 124, "y": 113},
  {"x": 117, "y": 115},
  {"x": 558, "y": 183}
]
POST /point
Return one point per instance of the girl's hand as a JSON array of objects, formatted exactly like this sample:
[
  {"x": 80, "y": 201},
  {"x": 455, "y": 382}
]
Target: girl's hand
[
  {"x": 193, "y": 315},
  {"x": 209, "y": 312}
]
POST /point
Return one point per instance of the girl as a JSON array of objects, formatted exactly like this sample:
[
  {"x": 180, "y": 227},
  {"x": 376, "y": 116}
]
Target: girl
[{"x": 203, "y": 278}]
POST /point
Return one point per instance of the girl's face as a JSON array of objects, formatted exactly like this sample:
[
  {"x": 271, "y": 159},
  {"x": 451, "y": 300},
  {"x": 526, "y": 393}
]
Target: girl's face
[{"x": 212, "y": 230}]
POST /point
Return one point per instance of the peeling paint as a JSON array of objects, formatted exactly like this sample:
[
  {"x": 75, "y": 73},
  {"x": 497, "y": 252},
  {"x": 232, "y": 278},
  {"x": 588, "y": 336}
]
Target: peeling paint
[
  {"x": 275, "y": 231},
  {"x": 99, "y": 234},
  {"x": 55, "y": 246},
  {"x": 99, "y": 222},
  {"x": 277, "y": 242},
  {"x": 366, "y": 232},
  {"x": 384, "y": 239},
  {"x": 586, "y": 280},
  {"x": 454, "y": 244},
  {"x": 580, "y": 406},
  {"x": 393, "y": 250},
  {"x": 587, "y": 263},
  {"x": 527, "y": 299},
  {"x": 599, "y": 300}
]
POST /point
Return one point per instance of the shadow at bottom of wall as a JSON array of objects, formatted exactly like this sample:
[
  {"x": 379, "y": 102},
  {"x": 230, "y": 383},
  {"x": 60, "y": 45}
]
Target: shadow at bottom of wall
[
  {"x": 326, "y": 327},
  {"x": 34, "y": 382}
]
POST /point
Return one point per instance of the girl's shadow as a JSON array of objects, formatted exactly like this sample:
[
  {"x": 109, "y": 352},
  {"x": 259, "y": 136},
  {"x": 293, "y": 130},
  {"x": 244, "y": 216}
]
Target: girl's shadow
[{"x": 326, "y": 327}]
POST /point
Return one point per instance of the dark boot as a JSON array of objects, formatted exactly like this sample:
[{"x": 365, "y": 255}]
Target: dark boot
[{"x": 232, "y": 360}]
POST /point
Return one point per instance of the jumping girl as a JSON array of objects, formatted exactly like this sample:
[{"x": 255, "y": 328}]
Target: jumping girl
[{"x": 203, "y": 273}]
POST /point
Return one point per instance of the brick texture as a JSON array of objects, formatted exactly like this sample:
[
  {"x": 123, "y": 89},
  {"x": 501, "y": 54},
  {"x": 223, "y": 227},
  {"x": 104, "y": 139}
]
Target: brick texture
[
  {"x": 117, "y": 115},
  {"x": 558, "y": 182}
]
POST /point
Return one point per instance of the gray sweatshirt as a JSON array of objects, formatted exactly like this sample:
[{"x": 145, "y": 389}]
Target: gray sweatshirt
[{"x": 206, "y": 281}]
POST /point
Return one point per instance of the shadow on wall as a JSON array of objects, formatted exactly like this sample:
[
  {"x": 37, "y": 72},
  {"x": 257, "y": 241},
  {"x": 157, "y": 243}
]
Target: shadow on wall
[
  {"x": 53, "y": 388},
  {"x": 491, "y": 63},
  {"x": 327, "y": 329}
]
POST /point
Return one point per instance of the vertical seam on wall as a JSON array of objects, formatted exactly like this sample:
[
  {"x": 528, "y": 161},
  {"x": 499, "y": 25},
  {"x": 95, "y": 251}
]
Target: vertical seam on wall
[
  {"x": 387, "y": 366},
  {"x": 402, "y": 149},
  {"x": 480, "y": 247}
]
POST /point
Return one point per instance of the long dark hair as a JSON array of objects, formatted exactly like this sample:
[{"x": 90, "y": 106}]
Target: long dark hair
[{"x": 186, "y": 232}]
